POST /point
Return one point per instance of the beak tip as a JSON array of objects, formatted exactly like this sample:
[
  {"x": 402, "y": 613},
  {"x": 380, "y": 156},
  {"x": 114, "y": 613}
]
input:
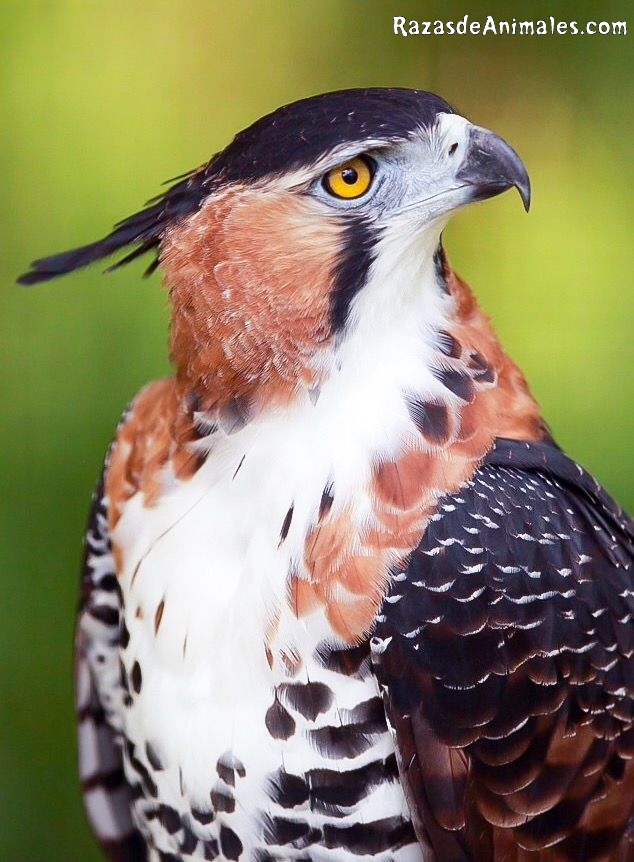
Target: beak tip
[
  {"x": 524, "y": 188},
  {"x": 491, "y": 166}
]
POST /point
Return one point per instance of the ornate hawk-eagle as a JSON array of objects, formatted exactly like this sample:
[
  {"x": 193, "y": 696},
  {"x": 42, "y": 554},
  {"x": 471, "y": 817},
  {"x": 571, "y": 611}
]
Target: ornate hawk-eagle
[{"x": 343, "y": 596}]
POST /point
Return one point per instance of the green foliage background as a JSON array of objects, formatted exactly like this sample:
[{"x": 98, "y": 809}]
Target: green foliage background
[{"x": 102, "y": 100}]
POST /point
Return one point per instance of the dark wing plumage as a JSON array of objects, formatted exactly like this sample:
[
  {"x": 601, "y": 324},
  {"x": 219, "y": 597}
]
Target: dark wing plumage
[
  {"x": 504, "y": 655},
  {"x": 98, "y": 692}
]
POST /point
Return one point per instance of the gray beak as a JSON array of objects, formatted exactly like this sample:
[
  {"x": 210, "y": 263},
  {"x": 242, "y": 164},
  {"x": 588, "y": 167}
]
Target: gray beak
[{"x": 491, "y": 166}]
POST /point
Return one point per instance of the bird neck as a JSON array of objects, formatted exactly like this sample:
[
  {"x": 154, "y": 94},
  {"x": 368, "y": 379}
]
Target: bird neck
[
  {"x": 414, "y": 314},
  {"x": 513, "y": 411},
  {"x": 408, "y": 400}
]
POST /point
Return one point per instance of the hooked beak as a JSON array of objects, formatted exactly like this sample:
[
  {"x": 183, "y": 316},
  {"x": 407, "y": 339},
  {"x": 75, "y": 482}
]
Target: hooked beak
[
  {"x": 490, "y": 166},
  {"x": 456, "y": 164}
]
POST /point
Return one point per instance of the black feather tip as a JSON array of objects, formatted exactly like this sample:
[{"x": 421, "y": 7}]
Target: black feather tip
[{"x": 144, "y": 230}]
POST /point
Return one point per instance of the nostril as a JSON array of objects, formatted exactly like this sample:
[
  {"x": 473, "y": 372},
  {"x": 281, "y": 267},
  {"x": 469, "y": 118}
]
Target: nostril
[{"x": 452, "y": 149}]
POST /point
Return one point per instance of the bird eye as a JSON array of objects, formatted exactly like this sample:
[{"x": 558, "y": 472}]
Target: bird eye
[{"x": 351, "y": 179}]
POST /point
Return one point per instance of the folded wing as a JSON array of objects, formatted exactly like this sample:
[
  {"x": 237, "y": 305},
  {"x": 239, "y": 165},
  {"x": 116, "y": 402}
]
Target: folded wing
[{"x": 505, "y": 657}]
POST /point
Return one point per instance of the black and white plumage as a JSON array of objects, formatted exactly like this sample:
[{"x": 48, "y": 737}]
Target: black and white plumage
[
  {"x": 343, "y": 596},
  {"x": 119, "y": 778},
  {"x": 506, "y": 641}
]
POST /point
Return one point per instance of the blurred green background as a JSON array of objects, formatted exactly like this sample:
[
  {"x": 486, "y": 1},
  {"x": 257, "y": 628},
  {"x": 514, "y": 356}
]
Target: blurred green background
[{"x": 101, "y": 102}]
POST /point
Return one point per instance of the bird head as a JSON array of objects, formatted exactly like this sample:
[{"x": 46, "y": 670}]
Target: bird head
[{"x": 323, "y": 214}]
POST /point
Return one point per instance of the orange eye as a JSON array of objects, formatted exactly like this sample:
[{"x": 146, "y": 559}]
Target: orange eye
[{"x": 350, "y": 180}]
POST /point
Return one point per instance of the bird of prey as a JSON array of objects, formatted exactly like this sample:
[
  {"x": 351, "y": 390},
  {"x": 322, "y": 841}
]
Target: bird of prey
[{"x": 344, "y": 597}]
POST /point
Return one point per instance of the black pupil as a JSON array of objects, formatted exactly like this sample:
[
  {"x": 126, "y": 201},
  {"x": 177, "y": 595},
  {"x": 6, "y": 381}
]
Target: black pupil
[{"x": 349, "y": 176}]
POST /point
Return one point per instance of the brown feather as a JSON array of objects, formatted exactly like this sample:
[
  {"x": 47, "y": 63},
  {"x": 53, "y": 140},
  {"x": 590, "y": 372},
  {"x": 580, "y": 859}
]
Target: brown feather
[{"x": 249, "y": 316}]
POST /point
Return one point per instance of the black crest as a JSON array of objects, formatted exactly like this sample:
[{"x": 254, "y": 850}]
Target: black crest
[{"x": 294, "y": 136}]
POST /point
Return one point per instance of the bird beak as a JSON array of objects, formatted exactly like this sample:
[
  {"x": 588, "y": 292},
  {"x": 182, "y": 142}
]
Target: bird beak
[
  {"x": 455, "y": 164},
  {"x": 490, "y": 166}
]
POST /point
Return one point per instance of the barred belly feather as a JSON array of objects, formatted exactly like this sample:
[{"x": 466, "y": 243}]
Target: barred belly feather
[{"x": 253, "y": 725}]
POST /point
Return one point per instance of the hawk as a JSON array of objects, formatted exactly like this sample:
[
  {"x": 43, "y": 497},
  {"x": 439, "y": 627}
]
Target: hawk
[{"x": 343, "y": 595}]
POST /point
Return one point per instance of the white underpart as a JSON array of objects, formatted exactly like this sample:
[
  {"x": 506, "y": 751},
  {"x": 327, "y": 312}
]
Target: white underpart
[{"x": 210, "y": 550}]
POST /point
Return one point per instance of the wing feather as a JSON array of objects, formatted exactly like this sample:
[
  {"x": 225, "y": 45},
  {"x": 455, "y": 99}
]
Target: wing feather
[{"x": 505, "y": 658}]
